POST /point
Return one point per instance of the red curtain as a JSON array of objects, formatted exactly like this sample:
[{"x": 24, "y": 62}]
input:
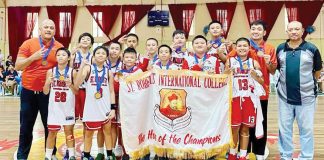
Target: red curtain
[
  {"x": 267, "y": 11},
  {"x": 131, "y": 15},
  {"x": 63, "y": 17},
  {"x": 182, "y": 16},
  {"x": 109, "y": 16},
  {"x": 304, "y": 11},
  {"x": 222, "y": 12},
  {"x": 20, "y": 26}
]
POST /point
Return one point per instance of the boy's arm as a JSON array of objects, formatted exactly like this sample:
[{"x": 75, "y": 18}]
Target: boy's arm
[
  {"x": 49, "y": 79},
  {"x": 72, "y": 87},
  {"x": 254, "y": 74},
  {"x": 113, "y": 106},
  {"x": 82, "y": 73}
]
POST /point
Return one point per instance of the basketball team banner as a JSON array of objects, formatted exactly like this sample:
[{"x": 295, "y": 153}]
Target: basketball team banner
[{"x": 176, "y": 113}]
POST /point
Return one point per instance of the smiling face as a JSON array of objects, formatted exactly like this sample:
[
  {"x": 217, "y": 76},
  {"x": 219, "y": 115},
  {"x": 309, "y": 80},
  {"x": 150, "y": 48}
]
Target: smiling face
[
  {"x": 242, "y": 48},
  {"x": 216, "y": 30},
  {"x": 129, "y": 59},
  {"x": 200, "y": 46},
  {"x": 164, "y": 54},
  {"x": 85, "y": 42},
  {"x": 257, "y": 32},
  {"x": 179, "y": 40},
  {"x": 47, "y": 29}
]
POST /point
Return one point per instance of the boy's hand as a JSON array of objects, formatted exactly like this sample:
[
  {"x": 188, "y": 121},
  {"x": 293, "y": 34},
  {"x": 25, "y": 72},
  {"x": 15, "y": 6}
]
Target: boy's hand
[
  {"x": 122, "y": 39},
  {"x": 112, "y": 114}
]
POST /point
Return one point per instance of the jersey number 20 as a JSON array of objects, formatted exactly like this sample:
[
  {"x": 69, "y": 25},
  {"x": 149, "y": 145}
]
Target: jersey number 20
[{"x": 60, "y": 97}]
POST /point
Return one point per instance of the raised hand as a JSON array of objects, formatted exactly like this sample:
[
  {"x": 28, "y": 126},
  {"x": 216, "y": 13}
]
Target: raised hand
[{"x": 38, "y": 54}]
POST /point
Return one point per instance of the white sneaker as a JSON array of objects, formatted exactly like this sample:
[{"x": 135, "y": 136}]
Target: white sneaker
[
  {"x": 15, "y": 155},
  {"x": 54, "y": 157},
  {"x": 118, "y": 151},
  {"x": 266, "y": 152}
]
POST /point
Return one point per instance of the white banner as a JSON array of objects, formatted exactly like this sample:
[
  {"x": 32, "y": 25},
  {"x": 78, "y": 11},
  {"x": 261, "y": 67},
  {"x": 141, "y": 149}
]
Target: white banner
[{"x": 178, "y": 113}]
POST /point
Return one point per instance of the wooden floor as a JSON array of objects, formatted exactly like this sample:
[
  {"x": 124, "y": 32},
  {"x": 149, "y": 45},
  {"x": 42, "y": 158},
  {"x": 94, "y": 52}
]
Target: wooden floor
[{"x": 9, "y": 131}]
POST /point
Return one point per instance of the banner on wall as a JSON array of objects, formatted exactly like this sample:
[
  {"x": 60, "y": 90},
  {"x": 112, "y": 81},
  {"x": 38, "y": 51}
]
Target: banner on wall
[{"x": 176, "y": 113}]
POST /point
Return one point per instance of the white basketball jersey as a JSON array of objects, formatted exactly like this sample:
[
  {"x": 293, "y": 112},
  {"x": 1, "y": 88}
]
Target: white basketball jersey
[
  {"x": 114, "y": 69},
  {"x": 213, "y": 50},
  {"x": 96, "y": 109},
  {"x": 78, "y": 59},
  {"x": 77, "y": 63},
  {"x": 61, "y": 104},
  {"x": 178, "y": 57},
  {"x": 170, "y": 66},
  {"x": 242, "y": 81}
]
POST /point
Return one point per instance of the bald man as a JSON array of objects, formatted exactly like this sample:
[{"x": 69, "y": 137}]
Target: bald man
[
  {"x": 299, "y": 65},
  {"x": 35, "y": 57}
]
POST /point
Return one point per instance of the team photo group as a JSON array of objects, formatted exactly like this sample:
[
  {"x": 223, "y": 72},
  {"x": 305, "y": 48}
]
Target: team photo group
[{"x": 169, "y": 101}]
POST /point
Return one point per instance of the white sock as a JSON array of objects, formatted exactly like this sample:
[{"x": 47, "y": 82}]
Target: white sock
[
  {"x": 71, "y": 152},
  {"x": 243, "y": 153},
  {"x": 259, "y": 157},
  {"x": 101, "y": 150},
  {"x": 233, "y": 151},
  {"x": 48, "y": 153}
]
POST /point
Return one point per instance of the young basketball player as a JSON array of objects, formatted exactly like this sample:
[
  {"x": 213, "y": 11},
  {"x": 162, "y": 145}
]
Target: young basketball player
[
  {"x": 164, "y": 56},
  {"x": 200, "y": 60},
  {"x": 246, "y": 71},
  {"x": 82, "y": 52},
  {"x": 99, "y": 108},
  {"x": 218, "y": 46},
  {"x": 61, "y": 103},
  {"x": 179, "y": 47},
  {"x": 130, "y": 67},
  {"x": 131, "y": 40},
  {"x": 152, "y": 50}
]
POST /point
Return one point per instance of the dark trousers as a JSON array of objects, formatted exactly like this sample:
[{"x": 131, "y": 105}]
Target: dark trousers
[
  {"x": 258, "y": 145},
  {"x": 30, "y": 103}
]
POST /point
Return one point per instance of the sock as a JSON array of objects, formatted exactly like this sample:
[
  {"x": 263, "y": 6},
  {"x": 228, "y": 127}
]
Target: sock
[
  {"x": 101, "y": 150},
  {"x": 71, "y": 152},
  {"x": 243, "y": 153},
  {"x": 233, "y": 151},
  {"x": 109, "y": 152},
  {"x": 259, "y": 157},
  {"x": 87, "y": 154},
  {"x": 48, "y": 153}
]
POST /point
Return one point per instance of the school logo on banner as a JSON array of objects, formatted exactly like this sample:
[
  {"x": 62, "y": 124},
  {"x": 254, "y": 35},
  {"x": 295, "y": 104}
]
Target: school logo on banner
[{"x": 172, "y": 113}]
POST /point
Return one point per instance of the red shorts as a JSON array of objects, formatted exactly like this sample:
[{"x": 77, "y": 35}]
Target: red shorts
[
  {"x": 95, "y": 125},
  {"x": 243, "y": 111},
  {"x": 54, "y": 127},
  {"x": 79, "y": 104}
]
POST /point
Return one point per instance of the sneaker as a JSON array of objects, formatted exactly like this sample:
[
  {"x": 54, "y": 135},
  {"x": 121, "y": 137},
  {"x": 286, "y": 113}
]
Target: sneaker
[
  {"x": 113, "y": 157},
  {"x": 125, "y": 157},
  {"x": 85, "y": 158},
  {"x": 242, "y": 158},
  {"x": 118, "y": 151},
  {"x": 232, "y": 157},
  {"x": 72, "y": 158},
  {"x": 100, "y": 156},
  {"x": 66, "y": 156},
  {"x": 54, "y": 157},
  {"x": 267, "y": 152}
]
